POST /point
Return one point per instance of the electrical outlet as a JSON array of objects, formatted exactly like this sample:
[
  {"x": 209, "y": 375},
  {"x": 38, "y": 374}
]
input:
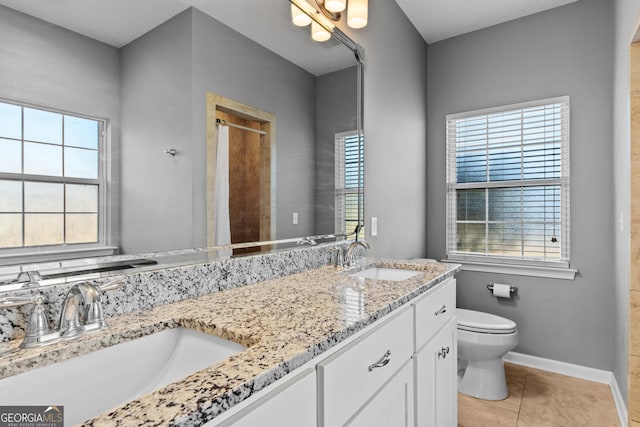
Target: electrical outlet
[
  {"x": 295, "y": 218},
  {"x": 374, "y": 226}
]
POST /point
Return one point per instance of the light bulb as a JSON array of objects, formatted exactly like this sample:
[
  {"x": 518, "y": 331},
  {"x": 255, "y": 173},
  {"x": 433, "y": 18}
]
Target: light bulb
[
  {"x": 357, "y": 13},
  {"x": 298, "y": 17},
  {"x": 335, "y": 5},
  {"x": 318, "y": 33}
]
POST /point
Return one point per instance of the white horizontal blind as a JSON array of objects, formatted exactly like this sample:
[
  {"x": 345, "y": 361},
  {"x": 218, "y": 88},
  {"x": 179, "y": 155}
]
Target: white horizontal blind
[
  {"x": 508, "y": 184},
  {"x": 349, "y": 177}
]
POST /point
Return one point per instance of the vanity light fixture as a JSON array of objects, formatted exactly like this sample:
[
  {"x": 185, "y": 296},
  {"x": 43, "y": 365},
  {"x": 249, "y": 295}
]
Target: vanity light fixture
[
  {"x": 303, "y": 14},
  {"x": 299, "y": 18},
  {"x": 318, "y": 33},
  {"x": 358, "y": 13},
  {"x": 335, "y": 5}
]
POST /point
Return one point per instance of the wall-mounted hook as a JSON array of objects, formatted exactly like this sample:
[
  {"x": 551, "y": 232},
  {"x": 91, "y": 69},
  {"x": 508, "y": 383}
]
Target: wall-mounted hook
[{"x": 171, "y": 151}]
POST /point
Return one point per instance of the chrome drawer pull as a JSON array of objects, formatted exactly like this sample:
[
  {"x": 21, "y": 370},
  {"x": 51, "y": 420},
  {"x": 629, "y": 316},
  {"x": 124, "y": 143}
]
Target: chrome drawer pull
[
  {"x": 384, "y": 360},
  {"x": 443, "y": 353},
  {"x": 442, "y": 310}
]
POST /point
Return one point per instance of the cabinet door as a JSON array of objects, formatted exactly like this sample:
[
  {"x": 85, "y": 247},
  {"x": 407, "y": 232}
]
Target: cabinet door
[
  {"x": 436, "y": 382},
  {"x": 349, "y": 378},
  {"x": 392, "y": 405},
  {"x": 291, "y": 405}
]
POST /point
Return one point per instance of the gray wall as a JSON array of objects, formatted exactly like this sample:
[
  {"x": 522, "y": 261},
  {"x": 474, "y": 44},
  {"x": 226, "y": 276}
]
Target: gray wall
[
  {"x": 395, "y": 107},
  {"x": 48, "y": 66},
  {"x": 335, "y": 113},
  {"x": 626, "y": 19},
  {"x": 165, "y": 76},
  {"x": 156, "y": 196},
  {"x": 563, "y": 51}
]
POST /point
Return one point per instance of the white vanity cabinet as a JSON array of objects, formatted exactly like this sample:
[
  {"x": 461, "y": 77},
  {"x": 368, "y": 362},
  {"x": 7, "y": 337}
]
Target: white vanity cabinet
[
  {"x": 364, "y": 370},
  {"x": 400, "y": 372},
  {"x": 292, "y": 404},
  {"x": 435, "y": 361}
]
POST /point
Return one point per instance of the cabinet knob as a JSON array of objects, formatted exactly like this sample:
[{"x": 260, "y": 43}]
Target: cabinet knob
[
  {"x": 443, "y": 352},
  {"x": 383, "y": 361},
  {"x": 442, "y": 310}
]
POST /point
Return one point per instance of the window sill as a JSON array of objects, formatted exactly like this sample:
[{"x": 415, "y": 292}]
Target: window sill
[
  {"x": 518, "y": 270},
  {"x": 55, "y": 255}
]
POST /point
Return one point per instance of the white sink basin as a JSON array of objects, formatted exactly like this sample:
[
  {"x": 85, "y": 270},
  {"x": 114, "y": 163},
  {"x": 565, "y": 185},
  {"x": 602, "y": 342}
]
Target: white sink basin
[
  {"x": 91, "y": 384},
  {"x": 380, "y": 273}
]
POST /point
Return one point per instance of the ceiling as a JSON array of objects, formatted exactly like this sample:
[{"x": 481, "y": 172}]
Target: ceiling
[
  {"x": 441, "y": 19},
  {"x": 118, "y": 22}
]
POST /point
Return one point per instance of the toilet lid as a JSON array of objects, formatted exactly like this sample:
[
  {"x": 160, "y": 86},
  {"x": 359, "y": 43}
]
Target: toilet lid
[{"x": 477, "y": 321}]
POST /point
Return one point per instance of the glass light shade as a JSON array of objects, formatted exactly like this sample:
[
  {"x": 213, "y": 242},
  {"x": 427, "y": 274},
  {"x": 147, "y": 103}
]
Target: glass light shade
[
  {"x": 358, "y": 13},
  {"x": 298, "y": 17},
  {"x": 318, "y": 33},
  {"x": 335, "y": 5}
]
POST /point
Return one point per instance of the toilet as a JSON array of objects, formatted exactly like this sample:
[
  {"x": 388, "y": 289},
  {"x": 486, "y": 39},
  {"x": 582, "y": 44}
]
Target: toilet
[{"x": 483, "y": 339}]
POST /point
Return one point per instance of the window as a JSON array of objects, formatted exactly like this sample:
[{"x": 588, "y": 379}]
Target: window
[
  {"x": 508, "y": 184},
  {"x": 349, "y": 171},
  {"x": 50, "y": 178}
]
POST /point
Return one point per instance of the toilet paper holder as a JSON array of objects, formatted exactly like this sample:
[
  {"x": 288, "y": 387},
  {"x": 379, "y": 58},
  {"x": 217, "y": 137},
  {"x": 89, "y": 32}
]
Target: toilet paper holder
[{"x": 512, "y": 289}]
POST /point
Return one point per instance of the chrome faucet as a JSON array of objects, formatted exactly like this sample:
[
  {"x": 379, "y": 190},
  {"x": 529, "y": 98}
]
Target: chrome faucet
[
  {"x": 348, "y": 256},
  {"x": 306, "y": 241},
  {"x": 71, "y": 322}
]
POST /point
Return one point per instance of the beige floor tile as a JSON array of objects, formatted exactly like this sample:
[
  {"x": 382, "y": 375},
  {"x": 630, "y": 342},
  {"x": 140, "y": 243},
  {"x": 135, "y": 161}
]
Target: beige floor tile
[
  {"x": 476, "y": 413},
  {"x": 557, "y": 400},
  {"x": 517, "y": 371}
]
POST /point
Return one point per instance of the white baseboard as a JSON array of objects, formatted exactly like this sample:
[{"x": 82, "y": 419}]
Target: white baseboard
[{"x": 576, "y": 371}]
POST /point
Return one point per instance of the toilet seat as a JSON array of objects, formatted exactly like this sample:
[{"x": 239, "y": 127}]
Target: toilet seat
[{"x": 484, "y": 323}]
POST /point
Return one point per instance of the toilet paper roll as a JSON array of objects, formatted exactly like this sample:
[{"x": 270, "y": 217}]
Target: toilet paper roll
[{"x": 501, "y": 290}]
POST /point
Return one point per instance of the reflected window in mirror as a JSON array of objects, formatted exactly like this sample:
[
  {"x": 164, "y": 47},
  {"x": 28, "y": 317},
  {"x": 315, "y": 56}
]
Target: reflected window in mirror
[
  {"x": 51, "y": 179},
  {"x": 349, "y": 183}
]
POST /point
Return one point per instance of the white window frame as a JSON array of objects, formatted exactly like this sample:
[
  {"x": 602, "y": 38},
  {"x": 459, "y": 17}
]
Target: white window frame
[
  {"x": 519, "y": 265},
  {"x": 43, "y": 253},
  {"x": 340, "y": 191}
]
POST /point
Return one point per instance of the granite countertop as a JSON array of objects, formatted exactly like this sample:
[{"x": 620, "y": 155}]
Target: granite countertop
[{"x": 283, "y": 322}]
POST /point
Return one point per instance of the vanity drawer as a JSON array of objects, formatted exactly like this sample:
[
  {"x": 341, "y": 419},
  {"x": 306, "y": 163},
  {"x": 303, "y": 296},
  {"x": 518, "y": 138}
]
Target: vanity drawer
[
  {"x": 434, "y": 310},
  {"x": 349, "y": 378}
]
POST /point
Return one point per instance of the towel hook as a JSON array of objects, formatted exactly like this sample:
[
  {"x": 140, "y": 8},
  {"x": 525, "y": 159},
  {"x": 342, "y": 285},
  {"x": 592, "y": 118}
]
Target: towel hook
[{"x": 171, "y": 151}]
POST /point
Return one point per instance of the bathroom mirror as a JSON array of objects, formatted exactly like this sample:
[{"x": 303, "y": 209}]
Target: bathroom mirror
[{"x": 152, "y": 91}]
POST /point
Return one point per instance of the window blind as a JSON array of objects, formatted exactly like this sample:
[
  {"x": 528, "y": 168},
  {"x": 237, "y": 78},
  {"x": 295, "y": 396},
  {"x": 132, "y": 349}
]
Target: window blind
[
  {"x": 508, "y": 184},
  {"x": 349, "y": 182}
]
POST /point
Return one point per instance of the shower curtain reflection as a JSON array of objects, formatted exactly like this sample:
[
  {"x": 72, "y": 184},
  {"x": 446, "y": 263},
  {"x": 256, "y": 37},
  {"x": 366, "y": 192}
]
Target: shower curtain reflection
[{"x": 223, "y": 227}]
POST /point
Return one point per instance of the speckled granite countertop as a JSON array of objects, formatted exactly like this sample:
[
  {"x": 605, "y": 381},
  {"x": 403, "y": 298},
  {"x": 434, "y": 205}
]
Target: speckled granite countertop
[{"x": 284, "y": 323}]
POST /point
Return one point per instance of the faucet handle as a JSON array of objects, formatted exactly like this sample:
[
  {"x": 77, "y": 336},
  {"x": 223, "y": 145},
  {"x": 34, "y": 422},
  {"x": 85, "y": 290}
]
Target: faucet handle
[
  {"x": 116, "y": 284},
  {"x": 29, "y": 277},
  {"x": 37, "y": 330}
]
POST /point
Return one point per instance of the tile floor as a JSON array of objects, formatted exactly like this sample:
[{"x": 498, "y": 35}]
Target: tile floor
[{"x": 541, "y": 399}]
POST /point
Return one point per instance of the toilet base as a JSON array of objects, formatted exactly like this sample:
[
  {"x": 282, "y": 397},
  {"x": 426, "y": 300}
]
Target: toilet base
[{"x": 484, "y": 379}]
